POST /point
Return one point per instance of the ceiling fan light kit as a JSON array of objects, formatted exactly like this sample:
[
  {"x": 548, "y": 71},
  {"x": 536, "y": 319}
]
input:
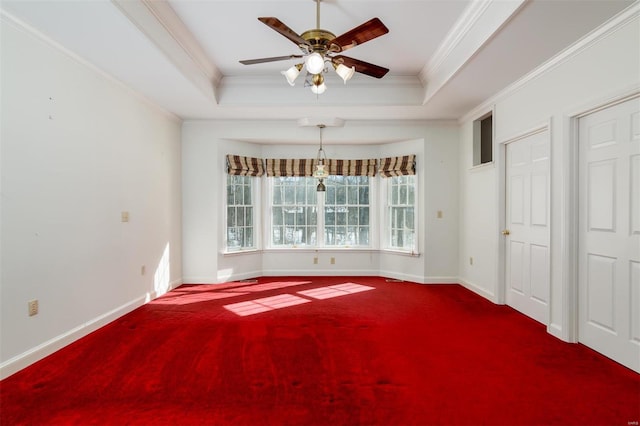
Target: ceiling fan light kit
[
  {"x": 314, "y": 63},
  {"x": 292, "y": 73},
  {"x": 319, "y": 46},
  {"x": 344, "y": 72},
  {"x": 317, "y": 84}
]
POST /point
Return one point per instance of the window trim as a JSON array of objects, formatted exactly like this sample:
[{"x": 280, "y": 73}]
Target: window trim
[
  {"x": 257, "y": 221},
  {"x": 320, "y": 204},
  {"x": 385, "y": 224}
]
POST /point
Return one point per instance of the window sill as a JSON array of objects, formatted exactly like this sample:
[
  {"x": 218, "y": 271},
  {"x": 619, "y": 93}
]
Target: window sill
[
  {"x": 401, "y": 252},
  {"x": 324, "y": 250},
  {"x": 236, "y": 252},
  {"x": 320, "y": 249}
]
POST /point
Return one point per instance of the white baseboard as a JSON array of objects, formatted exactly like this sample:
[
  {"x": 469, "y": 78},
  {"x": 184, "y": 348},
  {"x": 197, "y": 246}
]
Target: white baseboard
[
  {"x": 556, "y": 331},
  {"x": 478, "y": 290},
  {"x": 45, "y": 349},
  {"x": 317, "y": 273}
]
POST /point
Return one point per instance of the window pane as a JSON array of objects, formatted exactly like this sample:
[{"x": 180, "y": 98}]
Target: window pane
[
  {"x": 300, "y": 216},
  {"x": 277, "y": 215},
  {"x": 249, "y": 238},
  {"x": 352, "y": 195},
  {"x": 329, "y": 217},
  {"x": 364, "y": 215},
  {"x": 240, "y": 216},
  {"x": 408, "y": 219},
  {"x": 238, "y": 197},
  {"x": 248, "y": 215},
  {"x": 352, "y": 216},
  {"x": 341, "y": 235},
  {"x": 277, "y": 235},
  {"x": 230, "y": 193},
  {"x": 330, "y": 235},
  {"x": 289, "y": 194},
  {"x": 341, "y": 195},
  {"x": 311, "y": 195},
  {"x": 231, "y": 218},
  {"x": 247, "y": 195},
  {"x": 363, "y": 234},
  {"x": 401, "y": 204},
  {"x": 364, "y": 194},
  {"x": 311, "y": 235},
  {"x": 330, "y": 195},
  {"x": 300, "y": 194},
  {"x": 289, "y": 216},
  {"x": 277, "y": 195},
  {"x": 403, "y": 195},
  {"x": 298, "y": 211}
]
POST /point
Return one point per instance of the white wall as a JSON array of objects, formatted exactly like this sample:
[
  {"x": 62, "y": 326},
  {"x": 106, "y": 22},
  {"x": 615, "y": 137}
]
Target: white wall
[
  {"x": 205, "y": 144},
  {"x": 604, "y": 66},
  {"x": 77, "y": 150}
]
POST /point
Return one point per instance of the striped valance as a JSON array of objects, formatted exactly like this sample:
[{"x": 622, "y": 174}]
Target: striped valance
[
  {"x": 244, "y": 166},
  {"x": 290, "y": 167},
  {"x": 398, "y": 166},
  {"x": 352, "y": 167},
  {"x": 306, "y": 167}
]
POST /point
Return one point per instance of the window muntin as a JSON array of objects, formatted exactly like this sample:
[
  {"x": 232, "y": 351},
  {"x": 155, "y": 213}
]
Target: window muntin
[
  {"x": 294, "y": 212},
  {"x": 345, "y": 218},
  {"x": 401, "y": 202},
  {"x": 346, "y": 211},
  {"x": 240, "y": 213}
]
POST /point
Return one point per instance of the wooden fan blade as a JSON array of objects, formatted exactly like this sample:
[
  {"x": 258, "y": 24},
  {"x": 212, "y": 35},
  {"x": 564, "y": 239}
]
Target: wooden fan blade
[
  {"x": 283, "y": 29},
  {"x": 360, "y": 34},
  {"x": 272, "y": 59},
  {"x": 361, "y": 66}
]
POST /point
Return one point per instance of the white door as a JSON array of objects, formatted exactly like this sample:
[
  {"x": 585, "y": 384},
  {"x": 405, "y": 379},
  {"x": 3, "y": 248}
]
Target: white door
[
  {"x": 527, "y": 225},
  {"x": 609, "y": 232}
]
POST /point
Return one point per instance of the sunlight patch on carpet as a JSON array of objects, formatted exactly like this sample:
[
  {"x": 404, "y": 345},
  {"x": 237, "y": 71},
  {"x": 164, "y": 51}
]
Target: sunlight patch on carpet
[
  {"x": 335, "y": 290},
  {"x": 271, "y": 286},
  {"x": 257, "y": 306},
  {"x": 196, "y": 297}
]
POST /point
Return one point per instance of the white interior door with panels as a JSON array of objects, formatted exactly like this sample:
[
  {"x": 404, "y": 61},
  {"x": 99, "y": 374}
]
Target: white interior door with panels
[
  {"x": 609, "y": 232},
  {"x": 527, "y": 225}
]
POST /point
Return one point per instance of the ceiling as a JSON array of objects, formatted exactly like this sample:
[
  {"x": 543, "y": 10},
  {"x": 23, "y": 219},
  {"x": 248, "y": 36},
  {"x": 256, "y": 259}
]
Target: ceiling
[{"x": 445, "y": 57}]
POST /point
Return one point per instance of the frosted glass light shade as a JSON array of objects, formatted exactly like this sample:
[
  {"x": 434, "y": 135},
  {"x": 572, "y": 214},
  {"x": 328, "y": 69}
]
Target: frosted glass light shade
[
  {"x": 292, "y": 73},
  {"x": 314, "y": 63},
  {"x": 319, "y": 89},
  {"x": 345, "y": 72}
]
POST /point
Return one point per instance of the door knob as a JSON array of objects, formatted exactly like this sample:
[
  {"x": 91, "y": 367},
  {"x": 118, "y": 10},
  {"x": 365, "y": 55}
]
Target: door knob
[{"x": 506, "y": 232}]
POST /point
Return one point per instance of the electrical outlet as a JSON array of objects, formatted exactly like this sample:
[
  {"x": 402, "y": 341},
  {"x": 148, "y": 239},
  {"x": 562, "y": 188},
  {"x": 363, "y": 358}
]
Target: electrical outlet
[
  {"x": 315, "y": 260},
  {"x": 333, "y": 260},
  {"x": 33, "y": 307}
]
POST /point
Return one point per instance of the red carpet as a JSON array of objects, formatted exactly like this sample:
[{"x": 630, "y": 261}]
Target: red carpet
[{"x": 307, "y": 351}]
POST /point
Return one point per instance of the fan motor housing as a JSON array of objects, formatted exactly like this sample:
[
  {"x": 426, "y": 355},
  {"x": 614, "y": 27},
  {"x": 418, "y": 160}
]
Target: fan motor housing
[{"x": 318, "y": 39}]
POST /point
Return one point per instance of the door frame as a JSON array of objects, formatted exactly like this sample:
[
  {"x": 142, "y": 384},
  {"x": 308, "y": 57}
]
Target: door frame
[
  {"x": 570, "y": 198},
  {"x": 502, "y": 206}
]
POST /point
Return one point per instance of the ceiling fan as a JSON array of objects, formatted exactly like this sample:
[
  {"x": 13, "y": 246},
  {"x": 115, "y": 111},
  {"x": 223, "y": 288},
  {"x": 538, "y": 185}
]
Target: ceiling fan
[{"x": 319, "y": 46}]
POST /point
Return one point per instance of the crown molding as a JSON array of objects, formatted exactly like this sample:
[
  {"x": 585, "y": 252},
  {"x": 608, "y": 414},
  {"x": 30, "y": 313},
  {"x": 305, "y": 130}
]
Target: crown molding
[
  {"x": 8, "y": 19},
  {"x": 479, "y": 22},
  {"x": 162, "y": 26},
  {"x": 614, "y": 24}
]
